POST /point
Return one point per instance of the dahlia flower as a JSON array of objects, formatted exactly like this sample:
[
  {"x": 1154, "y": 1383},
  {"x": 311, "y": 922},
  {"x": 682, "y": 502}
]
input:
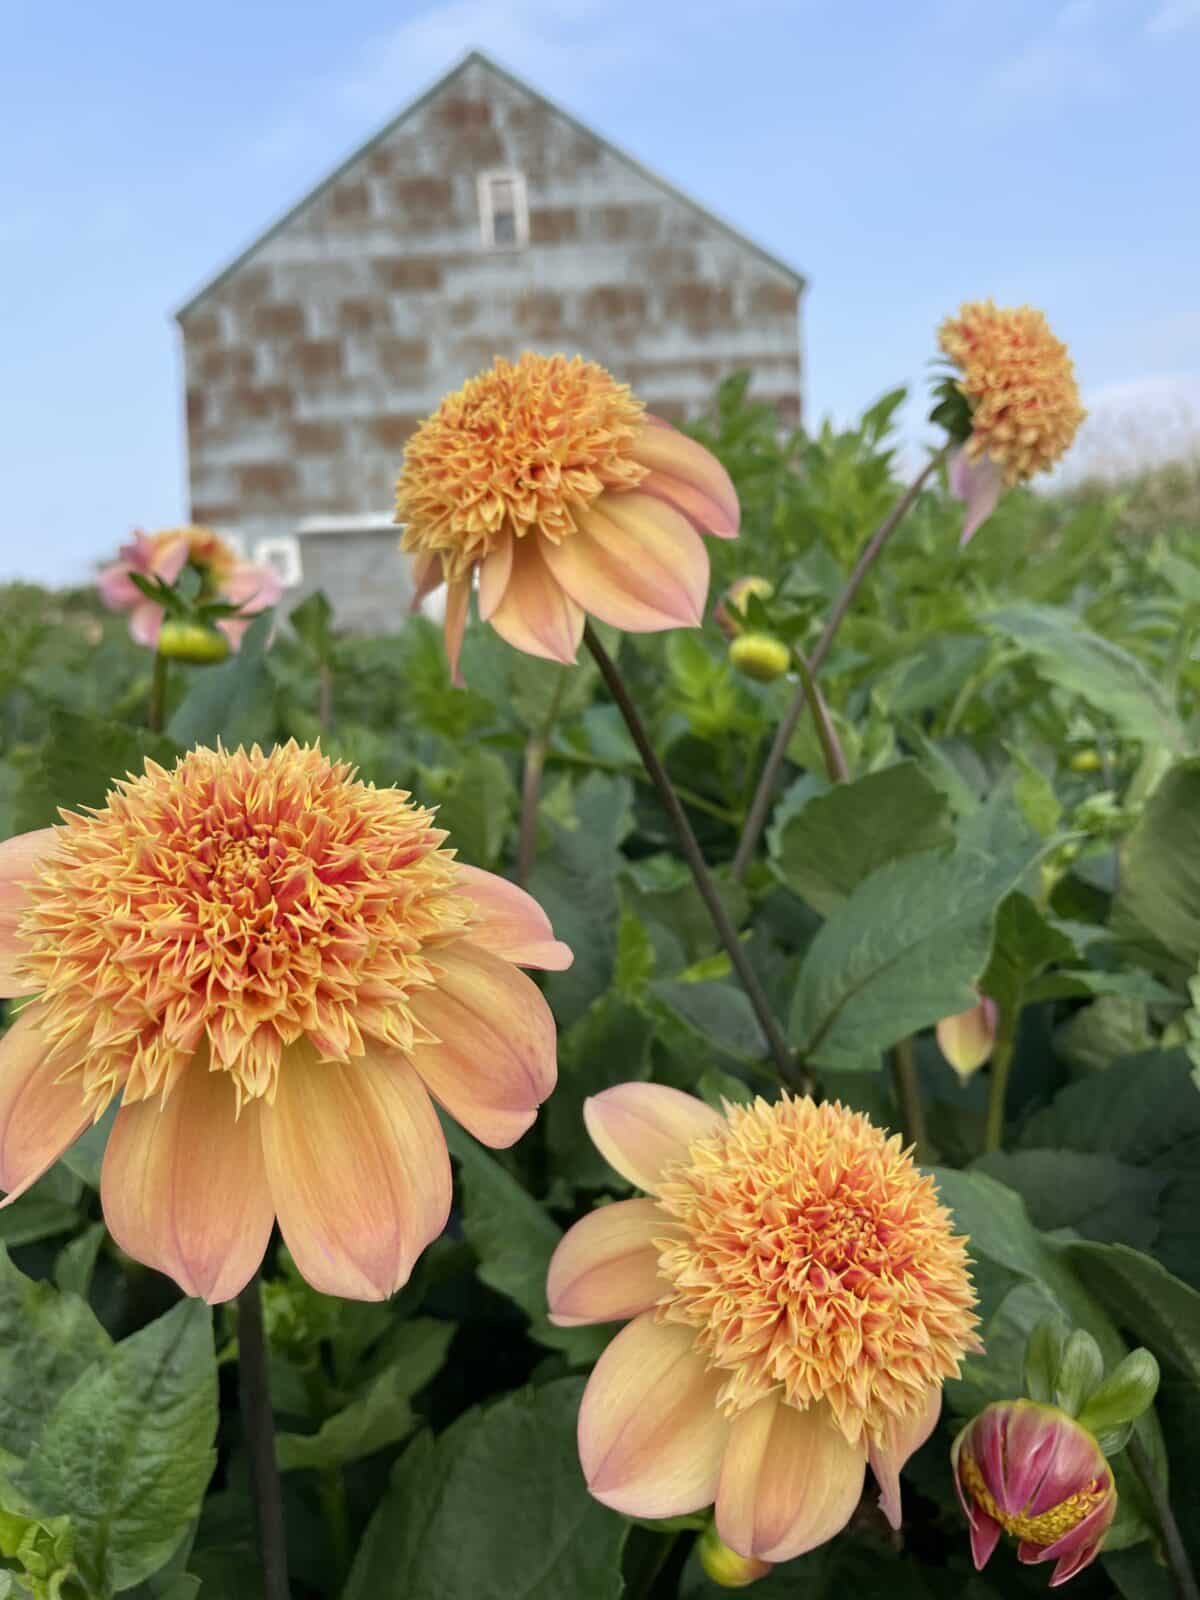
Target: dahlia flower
[
  {"x": 274, "y": 965},
  {"x": 224, "y": 576},
  {"x": 797, "y": 1298},
  {"x": 1032, "y": 1471},
  {"x": 1019, "y": 383},
  {"x": 548, "y": 480},
  {"x": 968, "y": 1037}
]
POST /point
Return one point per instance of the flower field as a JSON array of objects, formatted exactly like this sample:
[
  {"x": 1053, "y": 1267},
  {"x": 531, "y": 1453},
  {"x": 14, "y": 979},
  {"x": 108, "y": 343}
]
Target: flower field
[{"x": 683, "y": 1075}]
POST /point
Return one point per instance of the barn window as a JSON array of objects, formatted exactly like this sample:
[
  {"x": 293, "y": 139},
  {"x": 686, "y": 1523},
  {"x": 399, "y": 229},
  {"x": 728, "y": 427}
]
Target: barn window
[
  {"x": 503, "y": 210},
  {"x": 282, "y": 555}
]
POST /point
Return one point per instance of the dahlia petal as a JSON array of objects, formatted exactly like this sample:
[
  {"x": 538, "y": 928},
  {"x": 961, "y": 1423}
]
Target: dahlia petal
[
  {"x": 978, "y": 483},
  {"x": 39, "y": 1118},
  {"x": 789, "y": 1481},
  {"x": 1075, "y": 1461},
  {"x": 234, "y": 630},
  {"x": 495, "y": 1060},
  {"x": 903, "y": 1436},
  {"x": 358, "y": 1170},
  {"x": 458, "y": 603},
  {"x": 651, "y": 1435},
  {"x": 252, "y": 587},
  {"x": 1083, "y": 1535},
  {"x": 184, "y": 1185},
  {"x": 511, "y": 923},
  {"x": 606, "y": 1267},
  {"x": 635, "y": 563},
  {"x": 639, "y": 1128},
  {"x": 536, "y": 614},
  {"x": 494, "y": 572},
  {"x": 985, "y": 1535},
  {"x": 170, "y": 558},
  {"x": 427, "y": 576},
  {"x": 1031, "y": 1439},
  {"x": 145, "y": 624},
  {"x": 690, "y": 477},
  {"x": 19, "y": 858},
  {"x": 117, "y": 589}
]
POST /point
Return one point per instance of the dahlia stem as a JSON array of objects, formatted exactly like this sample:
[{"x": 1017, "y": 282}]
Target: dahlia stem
[
  {"x": 531, "y": 783},
  {"x": 259, "y": 1424},
  {"x": 325, "y": 697},
  {"x": 1002, "y": 1057},
  {"x": 158, "y": 693},
  {"x": 726, "y": 932},
  {"x": 908, "y": 1092},
  {"x": 831, "y": 749},
  {"x": 761, "y": 804},
  {"x": 1174, "y": 1549}
]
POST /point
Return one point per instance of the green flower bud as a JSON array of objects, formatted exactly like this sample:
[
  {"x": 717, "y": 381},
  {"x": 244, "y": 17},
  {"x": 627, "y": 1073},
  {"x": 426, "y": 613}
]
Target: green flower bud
[
  {"x": 191, "y": 641},
  {"x": 724, "y": 1566},
  {"x": 760, "y": 656}
]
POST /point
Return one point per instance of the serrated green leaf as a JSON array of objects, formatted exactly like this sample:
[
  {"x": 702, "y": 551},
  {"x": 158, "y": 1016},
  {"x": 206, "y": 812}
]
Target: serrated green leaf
[
  {"x": 233, "y": 702},
  {"x": 47, "y": 1340}
]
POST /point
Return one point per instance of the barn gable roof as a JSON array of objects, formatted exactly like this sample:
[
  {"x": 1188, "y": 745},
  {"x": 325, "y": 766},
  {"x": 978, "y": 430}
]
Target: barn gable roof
[{"x": 477, "y": 57}]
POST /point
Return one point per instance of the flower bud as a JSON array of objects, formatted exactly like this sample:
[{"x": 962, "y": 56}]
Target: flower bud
[
  {"x": 730, "y": 613},
  {"x": 191, "y": 641},
  {"x": 966, "y": 1039},
  {"x": 724, "y": 1566},
  {"x": 1031, "y": 1471},
  {"x": 760, "y": 656}
]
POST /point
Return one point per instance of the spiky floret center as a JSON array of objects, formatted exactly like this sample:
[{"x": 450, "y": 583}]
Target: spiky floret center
[
  {"x": 519, "y": 449},
  {"x": 813, "y": 1258},
  {"x": 233, "y": 906},
  {"x": 1047, "y": 1527},
  {"x": 1020, "y": 383}
]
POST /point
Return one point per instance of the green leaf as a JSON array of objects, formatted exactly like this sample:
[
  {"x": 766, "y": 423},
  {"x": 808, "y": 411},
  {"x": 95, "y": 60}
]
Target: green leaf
[
  {"x": 479, "y": 808},
  {"x": 1098, "y": 1195},
  {"x": 78, "y": 760},
  {"x": 86, "y": 1154},
  {"x": 312, "y": 622},
  {"x": 706, "y": 1018},
  {"x": 128, "y": 1449},
  {"x": 826, "y": 850},
  {"x": 1097, "y": 670},
  {"x": 1043, "y": 1357},
  {"x": 495, "y": 1509},
  {"x": 1025, "y": 942},
  {"x": 1159, "y": 1310},
  {"x": 1124, "y": 1394},
  {"x": 514, "y": 1240},
  {"x": 382, "y": 1414},
  {"x": 610, "y": 1044},
  {"x": 47, "y": 1340},
  {"x": 1079, "y": 1372},
  {"x": 1158, "y": 903},
  {"x": 51, "y": 1206},
  {"x": 910, "y": 944},
  {"x": 233, "y": 702}
]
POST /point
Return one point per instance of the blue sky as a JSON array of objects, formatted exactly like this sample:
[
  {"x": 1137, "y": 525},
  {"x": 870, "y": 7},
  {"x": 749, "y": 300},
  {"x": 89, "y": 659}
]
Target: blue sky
[{"x": 904, "y": 156}]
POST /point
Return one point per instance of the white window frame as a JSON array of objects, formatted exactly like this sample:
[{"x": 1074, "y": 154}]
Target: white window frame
[
  {"x": 282, "y": 554},
  {"x": 486, "y": 183},
  {"x": 235, "y": 541}
]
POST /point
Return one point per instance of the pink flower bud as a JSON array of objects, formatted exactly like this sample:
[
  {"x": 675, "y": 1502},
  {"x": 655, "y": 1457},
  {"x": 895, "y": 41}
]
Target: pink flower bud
[
  {"x": 966, "y": 1039},
  {"x": 1033, "y": 1472}
]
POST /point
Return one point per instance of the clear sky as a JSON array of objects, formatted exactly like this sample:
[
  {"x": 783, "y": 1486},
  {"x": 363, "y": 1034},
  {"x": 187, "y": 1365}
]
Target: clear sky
[{"x": 904, "y": 156}]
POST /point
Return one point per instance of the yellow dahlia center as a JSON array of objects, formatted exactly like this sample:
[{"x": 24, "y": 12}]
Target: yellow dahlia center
[
  {"x": 812, "y": 1257},
  {"x": 223, "y": 911},
  {"x": 519, "y": 449},
  {"x": 1047, "y": 1527},
  {"x": 1020, "y": 383}
]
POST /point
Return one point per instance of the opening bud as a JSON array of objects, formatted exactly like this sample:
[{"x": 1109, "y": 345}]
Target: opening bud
[
  {"x": 729, "y": 614},
  {"x": 967, "y": 1038}
]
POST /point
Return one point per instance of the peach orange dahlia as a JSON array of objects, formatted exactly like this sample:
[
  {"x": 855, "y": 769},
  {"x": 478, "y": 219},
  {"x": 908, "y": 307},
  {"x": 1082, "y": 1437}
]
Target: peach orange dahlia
[
  {"x": 223, "y": 574},
  {"x": 547, "y": 479},
  {"x": 798, "y": 1298},
  {"x": 274, "y": 966}
]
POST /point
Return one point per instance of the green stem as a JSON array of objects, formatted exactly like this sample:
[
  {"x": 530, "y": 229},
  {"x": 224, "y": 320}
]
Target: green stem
[
  {"x": 1002, "y": 1055},
  {"x": 831, "y": 749},
  {"x": 158, "y": 694},
  {"x": 258, "y": 1421},
  {"x": 761, "y": 804},
  {"x": 908, "y": 1093},
  {"x": 325, "y": 697},
  {"x": 531, "y": 783},
  {"x": 725, "y": 930},
  {"x": 1174, "y": 1549}
]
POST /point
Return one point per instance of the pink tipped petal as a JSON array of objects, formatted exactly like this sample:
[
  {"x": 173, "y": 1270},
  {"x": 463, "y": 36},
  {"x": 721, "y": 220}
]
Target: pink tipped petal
[
  {"x": 184, "y": 1187},
  {"x": 494, "y": 572},
  {"x": 511, "y": 923},
  {"x": 1031, "y": 1443},
  {"x": 358, "y": 1170},
  {"x": 985, "y": 1535},
  {"x": 789, "y": 1481},
  {"x": 639, "y": 1128},
  {"x": 458, "y": 603},
  {"x": 234, "y": 630},
  {"x": 117, "y": 589},
  {"x": 902, "y": 1437},
  {"x": 650, "y": 1434},
  {"x": 1086, "y": 1535},
  {"x": 635, "y": 563},
  {"x": 252, "y": 587},
  {"x": 496, "y": 1060},
  {"x": 1069, "y": 1566},
  {"x": 145, "y": 624},
  {"x": 171, "y": 558},
  {"x": 967, "y": 1038},
  {"x": 426, "y": 577},
  {"x": 606, "y": 1267},
  {"x": 19, "y": 859},
  {"x": 978, "y": 483},
  {"x": 690, "y": 477},
  {"x": 1075, "y": 1462},
  {"x": 39, "y": 1118},
  {"x": 536, "y": 614}
]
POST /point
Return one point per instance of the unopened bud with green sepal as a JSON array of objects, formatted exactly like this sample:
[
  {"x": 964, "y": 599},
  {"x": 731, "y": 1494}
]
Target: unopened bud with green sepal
[
  {"x": 724, "y": 1566},
  {"x": 760, "y": 656}
]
